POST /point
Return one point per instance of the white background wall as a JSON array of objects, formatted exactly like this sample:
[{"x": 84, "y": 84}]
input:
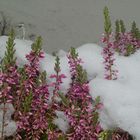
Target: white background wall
[{"x": 66, "y": 23}]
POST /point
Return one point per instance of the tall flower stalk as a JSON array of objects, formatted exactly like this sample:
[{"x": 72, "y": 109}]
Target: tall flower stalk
[
  {"x": 32, "y": 120},
  {"x": 81, "y": 110},
  {"x": 8, "y": 78},
  {"x": 53, "y": 132},
  {"x": 58, "y": 78},
  {"x": 108, "y": 50},
  {"x": 126, "y": 43}
]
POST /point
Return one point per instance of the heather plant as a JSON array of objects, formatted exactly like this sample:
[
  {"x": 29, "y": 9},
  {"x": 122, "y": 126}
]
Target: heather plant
[
  {"x": 135, "y": 30},
  {"x": 31, "y": 118},
  {"x": 58, "y": 78},
  {"x": 73, "y": 62},
  {"x": 126, "y": 43},
  {"x": 117, "y": 30},
  {"x": 122, "y": 41},
  {"x": 122, "y": 26},
  {"x": 26, "y": 88},
  {"x": 80, "y": 109},
  {"x": 9, "y": 79},
  {"x": 53, "y": 131},
  {"x": 116, "y": 134},
  {"x": 108, "y": 50}
]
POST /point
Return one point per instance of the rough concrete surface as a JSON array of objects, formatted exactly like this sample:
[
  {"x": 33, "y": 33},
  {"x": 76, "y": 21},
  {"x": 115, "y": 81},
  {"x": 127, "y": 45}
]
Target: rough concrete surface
[{"x": 66, "y": 23}]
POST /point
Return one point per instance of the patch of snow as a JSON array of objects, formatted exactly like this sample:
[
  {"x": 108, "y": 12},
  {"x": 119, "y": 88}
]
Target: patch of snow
[
  {"x": 10, "y": 127},
  {"x": 61, "y": 53},
  {"x": 61, "y": 121},
  {"x": 120, "y": 97}
]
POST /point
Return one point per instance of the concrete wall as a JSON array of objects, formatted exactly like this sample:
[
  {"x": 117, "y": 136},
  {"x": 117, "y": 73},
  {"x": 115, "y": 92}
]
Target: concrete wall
[{"x": 66, "y": 23}]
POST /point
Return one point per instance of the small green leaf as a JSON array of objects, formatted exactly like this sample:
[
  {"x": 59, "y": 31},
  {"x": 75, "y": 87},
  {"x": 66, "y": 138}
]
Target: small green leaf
[
  {"x": 105, "y": 135},
  {"x": 107, "y": 22},
  {"x": 122, "y": 26},
  {"x": 117, "y": 30},
  {"x": 95, "y": 118},
  {"x": 27, "y": 102},
  {"x": 81, "y": 75},
  {"x": 97, "y": 100},
  {"x": 64, "y": 99},
  {"x": 37, "y": 45}
]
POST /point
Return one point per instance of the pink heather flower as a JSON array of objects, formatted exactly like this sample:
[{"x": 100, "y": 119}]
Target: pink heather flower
[
  {"x": 126, "y": 39},
  {"x": 73, "y": 62},
  {"x": 53, "y": 135},
  {"x": 80, "y": 111},
  {"x": 33, "y": 121},
  {"x": 58, "y": 80},
  {"x": 58, "y": 77},
  {"x": 108, "y": 55},
  {"x": 9, "y": 81}
]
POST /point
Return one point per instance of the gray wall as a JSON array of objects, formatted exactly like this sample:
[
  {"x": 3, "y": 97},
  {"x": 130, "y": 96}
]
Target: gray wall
[{"x": 66, "y": 23}]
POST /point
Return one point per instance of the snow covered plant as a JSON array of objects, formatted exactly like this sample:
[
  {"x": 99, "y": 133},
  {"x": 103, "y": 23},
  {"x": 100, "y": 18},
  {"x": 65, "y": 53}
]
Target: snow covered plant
[
  {"x": 9, "y": 79},
  {"x": 108, "y": 50},
  {"x": 123, "y": 41},
  {"x": 32, "y": 97},
  {"x": 126, "y": 43},
  {"x": 54, "y": 128},
  {"x": 79, "y": 107}
]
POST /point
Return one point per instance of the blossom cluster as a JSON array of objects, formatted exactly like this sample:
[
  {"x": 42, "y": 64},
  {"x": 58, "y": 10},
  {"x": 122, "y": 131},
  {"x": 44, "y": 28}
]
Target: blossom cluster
[
  {"x": 122, "y": 41},
  {"x": 127, "y": 44},
  {"x": 81, "y": 110},
  {"x": 26, "y": 88},
  {"x": 108, "y": 55},
  {"x": 32, "y": 113}
]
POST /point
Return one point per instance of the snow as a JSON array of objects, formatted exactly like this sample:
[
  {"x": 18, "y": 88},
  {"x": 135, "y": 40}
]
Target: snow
[
  {"x": 10, "y": 127},
  {"x": 22, "y": 48},
  {"x": 61, "y": 121},
  {"x": 120, "y": 97},
  {"x": 61, "y": 53}
]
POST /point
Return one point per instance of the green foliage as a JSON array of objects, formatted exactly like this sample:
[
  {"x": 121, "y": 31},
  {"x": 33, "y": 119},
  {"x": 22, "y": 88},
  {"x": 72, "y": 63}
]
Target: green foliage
[
  {"x": 37, "y": 45},
  {"x": 97, "y": 100},
  {"x": 81, "y": 75},
  {"x": 73, "y": 53},
  {"x": 107, "y": 22},
  {"x": 105, "y": 135},
  {"x": 27, "y": 102},
  {"x": 44, "y": 137},
  {"x": 9, "y": 58},
  {"x": 65, "y": 101},
  {"x": 95, "y": 118},
  {"x": 117, "y": 32},
  {"x": 62, "y": 137},
  {"x": 57, "y": 65},
  {"x": 122, "y": 26},
  {"x": 43, "y": 77},
  {"x": 130, "y": 50},
  {"x": 96, "y": 114},
  {"x": 135, "y": 30}
]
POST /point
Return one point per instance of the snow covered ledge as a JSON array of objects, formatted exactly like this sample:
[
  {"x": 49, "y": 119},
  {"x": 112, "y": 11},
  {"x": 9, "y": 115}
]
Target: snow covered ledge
[{"x": 121, "y": 98}]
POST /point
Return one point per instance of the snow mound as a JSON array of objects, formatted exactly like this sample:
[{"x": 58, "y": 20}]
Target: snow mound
[
  {"x": 121, "y": 97},
  {"x": 10, "y": 127},
  {"x": 61, "y": 121}
]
